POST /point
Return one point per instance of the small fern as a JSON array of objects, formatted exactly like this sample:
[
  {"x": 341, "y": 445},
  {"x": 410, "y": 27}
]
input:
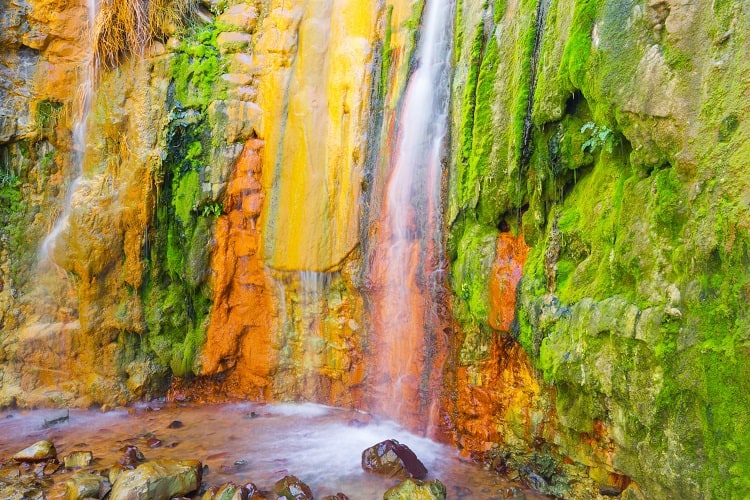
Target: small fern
[{"x": 600, "y": 137}]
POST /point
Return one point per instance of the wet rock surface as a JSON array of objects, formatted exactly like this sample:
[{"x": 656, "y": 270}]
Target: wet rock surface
[
  {"x": 37, "y": 452},
  {"x": 291, "y": 488},
  {"x": 393, "y": 459},
  {"x": 158, "y": 479},
  {"x": 78, "y": 459},
  {"x": 413, "y": 489},
  {"x": 86, "y": 485}
]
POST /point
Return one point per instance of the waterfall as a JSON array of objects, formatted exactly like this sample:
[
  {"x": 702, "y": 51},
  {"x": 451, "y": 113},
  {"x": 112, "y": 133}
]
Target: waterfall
[
  {"x": 84, "y": 96},
  {"x": 407, "y": 271}
]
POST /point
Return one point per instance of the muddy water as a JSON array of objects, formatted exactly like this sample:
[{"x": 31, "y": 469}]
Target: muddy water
[{"x": 251, "y": 442}]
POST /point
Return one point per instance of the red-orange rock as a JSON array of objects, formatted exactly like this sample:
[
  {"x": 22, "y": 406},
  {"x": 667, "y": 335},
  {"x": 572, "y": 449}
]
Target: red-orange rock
[
  {"x": 239, "y": 336},
  {"x": 506, "y": 273}
]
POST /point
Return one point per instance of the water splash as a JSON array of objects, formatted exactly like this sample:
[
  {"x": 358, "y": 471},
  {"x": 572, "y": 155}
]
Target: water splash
[
  {"x": 408, "y": 265},
  {"x": 84, "y": 96}
]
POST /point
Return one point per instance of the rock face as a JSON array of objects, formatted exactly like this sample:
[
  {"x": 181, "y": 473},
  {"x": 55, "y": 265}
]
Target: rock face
[
  {"x": 627, "y": 262},
  {"x": 224, "y": 211},
  {"x": 393, "y": 459},
  {"x": 158, "y": 479}
]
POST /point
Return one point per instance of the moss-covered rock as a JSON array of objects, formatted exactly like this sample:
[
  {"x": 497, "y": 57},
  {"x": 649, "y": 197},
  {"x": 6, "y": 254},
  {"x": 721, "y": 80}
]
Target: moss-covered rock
[{"x": 632, "y": 200}]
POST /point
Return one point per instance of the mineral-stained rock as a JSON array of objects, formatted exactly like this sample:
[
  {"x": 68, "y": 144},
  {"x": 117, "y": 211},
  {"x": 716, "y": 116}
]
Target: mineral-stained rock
[
  {"x": 77, "y": 459},
  {"x": 413, "y": 489},
  {"x": 131, "y": 457},
  {"x": 228, "y": 491},
  {"x": 391, "y": 458},
  {"x": 158, "y": 479},
  {"x": 292, "y": 488},
  {"x": 41, "y": 450},
  {"x": 86, "y": 485}
]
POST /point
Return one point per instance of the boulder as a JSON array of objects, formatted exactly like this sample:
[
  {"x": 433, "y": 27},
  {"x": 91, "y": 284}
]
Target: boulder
[
  {"x": 37, "y": 452},
  {"x": 413, "y": 489},
  {"x": 393, "y": 459},
  {"x": 291, "y": 488},
  {"x": 158, "y": 479},
  {"x": 337, "y": 496},
  {"x": 86, "y": 485}
]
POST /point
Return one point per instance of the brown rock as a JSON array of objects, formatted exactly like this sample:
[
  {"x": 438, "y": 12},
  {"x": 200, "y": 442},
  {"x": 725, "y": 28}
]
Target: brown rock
[{"x": 131, "y": 457}]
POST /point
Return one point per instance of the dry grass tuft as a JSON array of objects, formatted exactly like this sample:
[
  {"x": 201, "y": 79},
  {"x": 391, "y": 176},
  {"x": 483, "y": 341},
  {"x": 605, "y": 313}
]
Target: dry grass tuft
[{"x": 125, "y": 27}]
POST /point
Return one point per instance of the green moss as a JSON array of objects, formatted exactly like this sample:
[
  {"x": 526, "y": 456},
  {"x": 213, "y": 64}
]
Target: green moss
[
  {"x": 197, "y": 68},
  {"x": 47, "y": 113},
  {"x": 472, "y": 269},
  {"x": 468, "y": 107},
  {"x": 386, "y": 57},
  {"x": 577, "y": 54},
  {"x": 186, "y": 195},
  {"x": 176, "y": 296}
]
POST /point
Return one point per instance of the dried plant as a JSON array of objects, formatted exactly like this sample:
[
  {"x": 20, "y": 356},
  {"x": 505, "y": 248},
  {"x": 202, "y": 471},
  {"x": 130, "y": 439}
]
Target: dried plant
[{"x": 124, "y": 27}]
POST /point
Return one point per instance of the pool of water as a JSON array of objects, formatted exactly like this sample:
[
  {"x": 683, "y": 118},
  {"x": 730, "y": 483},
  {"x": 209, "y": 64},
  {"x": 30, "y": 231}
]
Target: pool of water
[{"x": 246, "y": 442}]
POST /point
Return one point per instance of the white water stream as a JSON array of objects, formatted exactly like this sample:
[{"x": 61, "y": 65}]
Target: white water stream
[
  {"x": 253, "y": 442},
  {"x": 410, "y": 252}
]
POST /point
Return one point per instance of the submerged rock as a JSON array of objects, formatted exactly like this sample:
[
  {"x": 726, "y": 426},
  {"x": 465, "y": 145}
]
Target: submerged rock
[
  {"x": 78, "y": 459},
  {"x": 413, "y": 489},
  {"x": 291, "y": 488},
  {"x": 393, "y": 459},
  {"x": 158, "y": 479},
  {"x": 337, "y": 496},
  {"x": 41, "y": 450}
]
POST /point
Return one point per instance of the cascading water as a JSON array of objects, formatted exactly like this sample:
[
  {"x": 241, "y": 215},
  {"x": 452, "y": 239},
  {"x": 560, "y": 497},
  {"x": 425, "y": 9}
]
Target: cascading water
[
  {"x": 408, "y": 263},
  {"x": 83, "y": 108}
]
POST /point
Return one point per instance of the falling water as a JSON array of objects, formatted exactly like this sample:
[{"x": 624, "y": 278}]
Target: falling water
[
  {"x": 83, "y": 109},
  {"x": 407, "y": 270}
]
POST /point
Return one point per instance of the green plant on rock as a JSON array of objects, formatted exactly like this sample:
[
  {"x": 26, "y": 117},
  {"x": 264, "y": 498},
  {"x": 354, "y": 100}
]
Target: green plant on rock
[
  {"x": 213, "y": 209},
  {"x": 601, "y": 137}
]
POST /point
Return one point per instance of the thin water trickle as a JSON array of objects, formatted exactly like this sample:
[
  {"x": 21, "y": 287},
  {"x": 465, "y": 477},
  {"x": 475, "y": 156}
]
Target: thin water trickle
[
  {"x": 409, "y": 247},
  {"x": 84, "y": 96}
]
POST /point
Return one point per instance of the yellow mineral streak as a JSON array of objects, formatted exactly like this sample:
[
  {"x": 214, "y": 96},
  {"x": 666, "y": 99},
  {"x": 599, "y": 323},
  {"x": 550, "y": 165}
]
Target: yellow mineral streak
[{"x": 315, "y": 94}]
